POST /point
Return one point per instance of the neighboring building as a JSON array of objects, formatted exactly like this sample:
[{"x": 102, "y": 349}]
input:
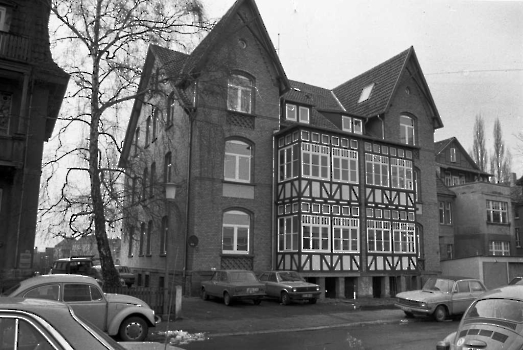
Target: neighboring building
[
  {"x": 478, "y": 220},
  {"x": 276, "y": 174},
  {"x": 32, "y": 87},
  {"x": 85, "y": 246}
]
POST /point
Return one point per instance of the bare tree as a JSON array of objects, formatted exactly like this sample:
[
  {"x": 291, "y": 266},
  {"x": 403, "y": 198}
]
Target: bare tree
[
  {"x": 500, "y": 160},
  {"x": 102, "y": 44},
  {"x": 479, "y": 150}
]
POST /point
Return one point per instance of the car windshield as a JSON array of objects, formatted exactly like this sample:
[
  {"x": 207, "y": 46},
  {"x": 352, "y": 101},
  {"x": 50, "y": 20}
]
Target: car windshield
[
  {"x": 242, "y": 277},
  {"x": 439, "y": 284},
  {"x": 290, "y": 276},
  {"x": 506, "y": 309}
]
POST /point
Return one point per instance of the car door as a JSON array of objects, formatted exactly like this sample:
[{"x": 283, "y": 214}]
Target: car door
[
  {"x": 271, "y": 287},
  {"x": 87, "y": 302},
  {"x": 213, "y": 287},
  {"x": 476, "y": 288},
  {"x": 462, "y": 297}
]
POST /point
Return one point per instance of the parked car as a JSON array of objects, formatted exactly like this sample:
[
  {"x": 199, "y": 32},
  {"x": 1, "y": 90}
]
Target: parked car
[
  {"x": 493, "y": 321},
  {"x": 75, "y": 265},
  {"x": 116, "y": 314},
  {"x": 516, "y": 280},
  {"x": 96, "y": 273},
  {"x": 126, "y": 274},
  {"x": 233, "y": 285},
  {"x": 441, "y": 297},
  {"x": 46, "y": 325},
  {"x": 289, "y": 286}
]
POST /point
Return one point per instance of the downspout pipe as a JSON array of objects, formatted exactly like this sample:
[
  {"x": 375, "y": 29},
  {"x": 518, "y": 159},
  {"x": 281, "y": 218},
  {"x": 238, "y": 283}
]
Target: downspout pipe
[{"x": 382, "y": 126}]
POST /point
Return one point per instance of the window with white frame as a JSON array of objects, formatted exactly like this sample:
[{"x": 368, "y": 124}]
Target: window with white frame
[
  {"x": 445, "y": 213},
  {"x": 357, "y": 126},
  {"x": 453, "y": 155},
  {"x": 344, "y": 165},
  {"x": 237, "y": 163},
  {"x": 315, "y": 161},
  {"x": 5, "y": 112},
  {"x": 407, "y": 130},
  {"x": 236, "y": 229},
  {"x": 304, "y": 114},
  {"x": 455, "y": 180},
  {"x": 291, "y": 112},
  {"x": 288, "y": 233},
  {"x": 497, "y": 212},
  {"x": 345, "y": 235},
  {"x": 499, "y": 248},
  {"x": 346, "y": 123},
  {"x": 315, "y": 233},
  {"x": 401, "y": 173},
  {"x": 377, "y": 170},
  {"x": 239, "y": 97},
  {"x": 288, "y": 162},
  {"x": 378, "y": 236},
  {"x": 404, "y": 237},
  {"x": 448, "y": 179},
  {"x": 518, "y": 238}
]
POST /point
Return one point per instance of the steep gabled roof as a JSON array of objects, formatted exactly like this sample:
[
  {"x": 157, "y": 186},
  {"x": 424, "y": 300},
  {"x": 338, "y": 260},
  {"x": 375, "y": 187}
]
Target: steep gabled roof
[
  {"x": 384, "y": 78},
  {"x": 255, "y": 25},
  {"x": 442, "y": 145}
]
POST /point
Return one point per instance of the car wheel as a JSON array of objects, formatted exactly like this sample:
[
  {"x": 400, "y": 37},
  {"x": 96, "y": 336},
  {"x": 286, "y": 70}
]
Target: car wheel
[
  {"x": 133, "y": 329},
  {"x": 227, "y": 299},
  {"x": 285, "y": 299},
  {"x": 408, "y": 314},
  {"x": 440, "y": 314},
  {"x": 256, "y": 301},
  {"x": 312, "y": 301},
  {"x": 205, "y": 296}
]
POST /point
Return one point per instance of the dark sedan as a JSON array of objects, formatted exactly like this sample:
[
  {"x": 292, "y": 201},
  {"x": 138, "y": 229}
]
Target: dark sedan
[{"x": 233, "y": 285}]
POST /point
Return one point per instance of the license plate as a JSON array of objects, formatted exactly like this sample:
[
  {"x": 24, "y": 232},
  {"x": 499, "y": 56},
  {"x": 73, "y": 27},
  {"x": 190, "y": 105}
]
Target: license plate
[
  {"x": 307, "y": 295},
  {"x": 252, "y": 290}
]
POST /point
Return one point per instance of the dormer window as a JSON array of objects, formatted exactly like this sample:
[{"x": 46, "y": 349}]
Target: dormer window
[
  {"x": 350, "y": 124},
  {"x": 297, "y": 113},
  {"x": 239, "y": 94},
  {"x": 365, "y": 93}
]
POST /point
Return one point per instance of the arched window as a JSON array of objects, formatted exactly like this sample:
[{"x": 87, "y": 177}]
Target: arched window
[
  {"x": 237, "y": 162},
  {"x": 152, "y": 180},
  {"x": 164, "y": 236},
  {"x": 236, "y": 230},
  {"x": 170, "y": 109},
  {"x": 149, "y": 236},
  {"x": 131, "y": 240},
  {"x": 142, "y": 238},
  {"x": 155, "y": 123},
  {"x": 144, "y": 183},
  {"x": 239, "y": 97},
  {"x": 407, "y": 134},
  {"x": 136, "y": 140}
]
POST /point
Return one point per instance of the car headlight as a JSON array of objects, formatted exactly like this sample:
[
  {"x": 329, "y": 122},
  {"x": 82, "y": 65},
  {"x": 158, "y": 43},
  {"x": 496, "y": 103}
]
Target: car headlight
[
  {"x": 294, "y": 290},
  {"x": 424, "y": 305}
]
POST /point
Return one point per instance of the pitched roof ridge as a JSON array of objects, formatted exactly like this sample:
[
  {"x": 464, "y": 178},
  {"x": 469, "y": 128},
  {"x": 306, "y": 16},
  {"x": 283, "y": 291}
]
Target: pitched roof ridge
[{"x": 407, "y": 57}]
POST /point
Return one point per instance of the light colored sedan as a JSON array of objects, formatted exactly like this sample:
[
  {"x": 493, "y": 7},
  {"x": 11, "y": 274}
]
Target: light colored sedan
[
  {"x": 47, "y": 325},
  {"x": 441, "y": 297},
  {"x": 288, "y": 286},
  {"x": 115, "y": 314}
]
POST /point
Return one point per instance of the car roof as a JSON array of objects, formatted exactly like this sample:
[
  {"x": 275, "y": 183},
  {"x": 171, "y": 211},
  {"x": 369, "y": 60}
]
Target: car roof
[
  {"x": 455, "y": 278},
  {"x": 506, "y": 292},
  {"x": 31, "y": 305},
  {"x": 58, "y": 278}
]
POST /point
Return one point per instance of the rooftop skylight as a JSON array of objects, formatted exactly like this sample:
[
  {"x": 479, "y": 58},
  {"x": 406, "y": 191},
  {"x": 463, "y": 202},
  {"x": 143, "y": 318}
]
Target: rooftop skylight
[{"x": 365, "y": 93}]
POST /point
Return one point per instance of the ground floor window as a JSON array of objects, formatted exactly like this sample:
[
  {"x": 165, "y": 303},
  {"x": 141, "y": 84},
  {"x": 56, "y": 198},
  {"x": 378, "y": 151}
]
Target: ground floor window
[
  {"x": 499, "y": 248},
  {"x": 236, "y": 228}
]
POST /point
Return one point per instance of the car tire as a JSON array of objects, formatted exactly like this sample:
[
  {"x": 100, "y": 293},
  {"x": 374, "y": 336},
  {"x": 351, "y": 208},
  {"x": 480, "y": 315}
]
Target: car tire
[
  {"x": 256, "y": 301},
  {"x": 312, "y": 301},
  {"x": 227, "y": 299},
  {"x": 440, "y": 314},
  {"x": 133, "y": 329},
  {"x": 285, "y": 298},
  {"x": 205, "y": 296}
]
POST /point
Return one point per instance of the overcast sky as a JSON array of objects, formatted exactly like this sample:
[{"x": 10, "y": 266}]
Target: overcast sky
[{"x": 471, "y": 52}]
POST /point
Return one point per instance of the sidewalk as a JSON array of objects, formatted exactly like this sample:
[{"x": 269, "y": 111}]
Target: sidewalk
[{"x": 213, "y": 319}]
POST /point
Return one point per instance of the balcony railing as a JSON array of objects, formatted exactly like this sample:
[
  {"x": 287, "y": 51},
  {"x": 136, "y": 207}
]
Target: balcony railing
[{"x": 14, "y": 47}]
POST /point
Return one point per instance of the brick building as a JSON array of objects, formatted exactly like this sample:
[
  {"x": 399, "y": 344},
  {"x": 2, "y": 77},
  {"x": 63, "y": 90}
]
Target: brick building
[
  {"x": 32, "y": 87},
  {"x": 231, "y": 165}
]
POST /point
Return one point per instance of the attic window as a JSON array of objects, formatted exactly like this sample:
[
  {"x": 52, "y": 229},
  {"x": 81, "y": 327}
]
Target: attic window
[{"x": 365, "y": 93}]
